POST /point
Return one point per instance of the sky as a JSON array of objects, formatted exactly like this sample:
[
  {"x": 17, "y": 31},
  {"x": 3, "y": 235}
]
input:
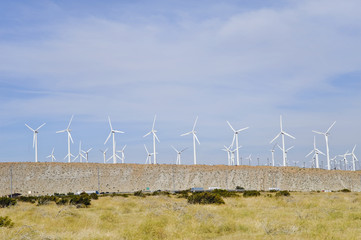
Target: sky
[{"x": 247, "y": 62}]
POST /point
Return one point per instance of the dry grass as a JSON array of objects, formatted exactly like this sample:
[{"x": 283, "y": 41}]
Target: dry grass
[{"x": 301, "y": 216}]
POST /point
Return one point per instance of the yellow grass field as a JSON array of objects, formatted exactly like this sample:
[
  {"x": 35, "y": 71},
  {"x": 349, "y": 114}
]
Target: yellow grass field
[{"x": 309, "y": 215}]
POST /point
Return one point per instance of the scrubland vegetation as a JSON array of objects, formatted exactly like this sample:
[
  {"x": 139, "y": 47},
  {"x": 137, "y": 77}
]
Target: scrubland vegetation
[{"x": 312, "y": 215}]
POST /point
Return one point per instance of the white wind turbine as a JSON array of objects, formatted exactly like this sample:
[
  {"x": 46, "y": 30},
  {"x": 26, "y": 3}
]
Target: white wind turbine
[
  {"x": 112, "y": 132},
  {"x": 273, "y": 154},
  {"x": 149, "y": 156},
  {"x": 249, "y": 159},
  {"x": 153, "y": 132},
  {"x": 326, "y": 134},
  {"x": 316, "y": 151},
  {"x": 344, "y": 156},
  {"x": 195, "y": 138},
  {"x": 68, "y": 130},
  {"x": 35, "y": 139},
  {"x": 122, "y": 152},
  {"x": 283, "y": 133},
  {"x": 228, "y": 150},
  {"x": 52, "y": 156},
  {"x": 334, "y": 160},
  {"x": 87, "y": 154},
  {"x": 286, "y": 152},
  {"x": 232, "y": 155},
  {"x": 104, "y": 154},
  {"x": 354, "y": 159},
  {"x": 235, "y": 136},
  {"x": 80, "y": 154},
  {"x": 178, "y": 162}
]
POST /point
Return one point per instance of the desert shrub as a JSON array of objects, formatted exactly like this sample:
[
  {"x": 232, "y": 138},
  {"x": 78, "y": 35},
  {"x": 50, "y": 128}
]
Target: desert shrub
[
  {"x": 345, "y": 190},
  {"x": 43, "y": 200},
  {"x": 7, "y": 202},
  {"x": 139, "y": 193},
  {"x": 70, "y": 194},
  {"x": 251, "y": 193},
  {"x": 240, "y": 188},
  {"x": 224, "y": 193},
  {"x": 82, "y": 200},
  {"x": 6, "y": 222},
  {"x": 273, "y": 190},
  {"x": 62, "y": 201},
  {"x": 283, "y": 193},
  {"x": 30, "y": 199},
  {"x": 205, "y": 198},
  {"x": 268, "y": 195},
  {"x": 159, "y": 192},
  {"x": 116, "y": 195},
  {"x": 94, "y": 196},
  {"x": 183, "y": 194}
]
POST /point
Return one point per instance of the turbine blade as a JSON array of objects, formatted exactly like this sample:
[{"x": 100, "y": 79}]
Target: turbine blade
[
  {"x": 242, "y": 129},
  {"x": 289, "y": 148},
  {"x": 195, "y": 122},
  {"x": 281, "y": 122},
  {"x": 231, "y": 126},
  {"x": 61, "y": 131},
  {"x": 279, "y": 147},
  {"x": 40, "y": 126},
  {"x": 196, "y": 138},
  {"x": 276, "y": 137},
  {"x": 110, "y": 124},
  {"x": 89, "y": 149},
  {"x": 331, "y": 127},
  {"x": 184, "y": 134},
  {"x": 29, "y": 127},
  {"x": 320, "y": 152},
  {"x": 353, "y": 150},
  {"x": 309, "y": 153},
  {"x": 70, "y": 137},
  {"x": 71, "y": 119},
  {"x": 117, "y": 131},
  {"x": 289, "y": 135},
  {"x": 147, "y": 134},
  {"x": 155, "y": 117},
  {"x": 183, "y": 149},
  {"x": 108, "y": 137},
  {"x": 321, "y": 133},
  {"x": 174, "y": 148},
  {"x": 146, "y": 149},
  {"x": 155, "y": 135},
  {"x": 124, "y": 147}
]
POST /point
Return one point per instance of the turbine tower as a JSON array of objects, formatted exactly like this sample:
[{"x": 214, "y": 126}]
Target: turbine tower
[
  {"x": 52, "y": 156},
  {"x": 235, "y": 136},
  {"x": 354, "y": 159},
  {"x": 283, "y": 133},
  {"x": 316, "y": 151},
  {"x": 345, "y": 158},
  {"x": 87, "y": 154},
  {"x": 122, "y": 152},
  {"x": 153, "y": 132},
  {"x": 195, "y": 138},
  {"x": 273, "y": 154},
  {"x": 35, "y": 139},
  {"x": 249, "y": 159},
  {"x": 286, "y": 151},
  {"x": 326, "y": 134},
  {"x": 228, "y": 150},
  {"x": 232, "y": 155},
  {"x": 104, "y": 154},
  {"x": 112, "y": 132},
  {"x": 178, "y": 162},
  {"x": 68, "y": 130}
]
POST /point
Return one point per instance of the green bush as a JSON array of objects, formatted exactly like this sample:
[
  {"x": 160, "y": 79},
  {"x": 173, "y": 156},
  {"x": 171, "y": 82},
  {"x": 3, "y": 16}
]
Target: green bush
[
  {"x": 43, "y": 200},
  {"x": 239, "y": 188},
  {"x": 183, "y": 194},
  {"x": 30, "y": 199},
  {"x": 62, "y": 201},
  {"x": 70, "y": 194},
  {"x": 139, "y": 193},
  {"x": 205, "y": 198},
  {"x": 94, "y": 196},
  {"x": 251, "y": 193},
  {"x": 224, "y": 193},
  {"x": 6, "y": 222},
  {"x": 345, "y": 190},
  {"x": 283, "y": 193},
  {"x": 82, "y": 200},
  {"x": 159, "y": 192},
  {"x": 7, "y": 202}
]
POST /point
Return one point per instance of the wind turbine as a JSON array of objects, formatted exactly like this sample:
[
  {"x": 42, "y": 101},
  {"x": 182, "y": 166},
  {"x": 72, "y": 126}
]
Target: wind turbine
[
  {"x": 153, "y": 132},
  {"x": 316, "y": 151},
  {"x": 249, "y": 159},
  {"x": 228, "y": 150},
  {"x": 68, "y": 130},
  {"x": 35, "y": 139},
  {"x": 122, "y": 152},
  {"x": 354, "y": 159},
  {"x": 345, "y": 158},
  {"x": 193, "y": 132},
  {"x": 52, "y": 156},
  {"x": 149, "y": 156},
  {"x": 112, "y": 132},
  {"x": 326, "y": 134},
  {"x": 283, "y": 133},
  {"x": 232, "y": 155},
  {"x": 286, "y": 152},
  {"x": 273, "y": 154},
  {"x": 235, "y": 136},
  {"x": 87, "y": 153},
  {"x": 178, "y": 162},
  {"x": 334, "y": 160},
  {"x": 80, "y": 155},
  {"x": 104, "y": 154}
]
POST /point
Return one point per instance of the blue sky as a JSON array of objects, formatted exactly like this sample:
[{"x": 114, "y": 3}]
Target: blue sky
[{"x": 242, "y": 61}]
